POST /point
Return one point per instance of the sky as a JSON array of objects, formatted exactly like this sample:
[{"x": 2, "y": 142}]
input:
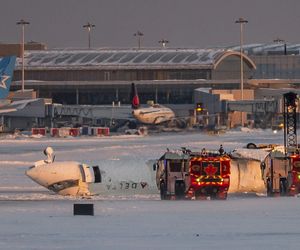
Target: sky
[{"x": 184, "y": 23}]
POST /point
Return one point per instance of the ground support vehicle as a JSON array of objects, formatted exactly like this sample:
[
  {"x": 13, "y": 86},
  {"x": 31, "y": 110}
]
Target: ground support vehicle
[{"x": 188, "y": 175}]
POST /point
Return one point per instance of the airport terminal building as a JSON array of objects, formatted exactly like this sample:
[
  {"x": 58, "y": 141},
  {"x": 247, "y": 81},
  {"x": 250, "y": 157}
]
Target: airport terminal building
[
  {"x": 163, "y": 75},
  {"x": 166, "y": 76}
]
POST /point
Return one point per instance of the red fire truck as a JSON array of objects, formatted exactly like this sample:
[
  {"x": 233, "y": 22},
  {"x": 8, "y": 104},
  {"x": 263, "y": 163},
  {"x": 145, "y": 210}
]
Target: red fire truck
[
  {"x": 189, "y": 175},
  {"x": 294, "y": 176},
  {"x": 209, "y": 175},
  {"x": 281, "y": 170}
]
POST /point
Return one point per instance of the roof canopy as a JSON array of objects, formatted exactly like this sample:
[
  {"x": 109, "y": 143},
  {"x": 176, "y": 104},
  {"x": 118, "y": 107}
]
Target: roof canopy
[
  {"x": 269, "y": 48},
  {"x": 144, "y": 58}
]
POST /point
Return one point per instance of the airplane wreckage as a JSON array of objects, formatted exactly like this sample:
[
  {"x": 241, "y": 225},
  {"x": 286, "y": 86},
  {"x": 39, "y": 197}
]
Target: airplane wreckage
[{"x": 177, "y": 175}]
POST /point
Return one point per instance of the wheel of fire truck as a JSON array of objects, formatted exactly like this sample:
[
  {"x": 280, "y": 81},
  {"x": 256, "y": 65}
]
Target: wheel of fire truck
[
  {"x": 221, "y": 196},
  {"x": 179, "y": 190},
  {"x": 163, "y": 192},
  {"x": 269, "y": 188},
  {"x": 283, "y": 186}
]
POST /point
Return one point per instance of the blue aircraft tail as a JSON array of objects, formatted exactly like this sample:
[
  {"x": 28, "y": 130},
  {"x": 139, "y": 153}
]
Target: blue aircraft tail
[{"x": 7, "y": 65}]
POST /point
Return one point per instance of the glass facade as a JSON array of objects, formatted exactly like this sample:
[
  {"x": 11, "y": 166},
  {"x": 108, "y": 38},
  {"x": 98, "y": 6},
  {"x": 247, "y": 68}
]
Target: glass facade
[
  {"x": 277, "y": 66},
  {"x": 278, "y": 60},
  {"x": 113, "y": 75},
  {"x": 172, "y": 94}
]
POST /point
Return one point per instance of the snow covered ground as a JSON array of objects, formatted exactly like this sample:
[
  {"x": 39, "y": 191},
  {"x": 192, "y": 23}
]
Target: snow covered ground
[{"x": 33, "y": 218}]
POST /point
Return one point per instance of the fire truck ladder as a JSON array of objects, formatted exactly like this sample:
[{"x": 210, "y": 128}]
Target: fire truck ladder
[{"x": 290, "y": 120}]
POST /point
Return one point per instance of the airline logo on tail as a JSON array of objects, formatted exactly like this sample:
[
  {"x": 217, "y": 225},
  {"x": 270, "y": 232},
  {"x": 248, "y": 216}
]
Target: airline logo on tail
[
  {"x": 3, "y": 81},
  {"x": 7, "y": 65},
  {"x": 135, "y": 101}
]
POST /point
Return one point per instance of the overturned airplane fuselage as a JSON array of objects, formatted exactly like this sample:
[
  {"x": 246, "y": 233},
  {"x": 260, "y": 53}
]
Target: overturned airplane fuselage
[{"x": 78, "y": 179}]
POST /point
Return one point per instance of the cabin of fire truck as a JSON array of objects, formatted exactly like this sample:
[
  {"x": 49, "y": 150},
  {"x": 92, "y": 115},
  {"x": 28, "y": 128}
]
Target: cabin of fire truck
[{"x": 170, "y": 174}]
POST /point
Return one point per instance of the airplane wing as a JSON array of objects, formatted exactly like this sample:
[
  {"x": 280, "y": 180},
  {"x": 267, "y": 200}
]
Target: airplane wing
[
  {"x": 23, "y": 107},
  {"x": 7, "y": 110}
]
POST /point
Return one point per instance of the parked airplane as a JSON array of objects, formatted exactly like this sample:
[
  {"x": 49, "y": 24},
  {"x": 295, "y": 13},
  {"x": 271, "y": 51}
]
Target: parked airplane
[
  {"x": 79, "y": 179},
  {"x": 7, "y": 65},
  {"x": 155, "y": 114}
]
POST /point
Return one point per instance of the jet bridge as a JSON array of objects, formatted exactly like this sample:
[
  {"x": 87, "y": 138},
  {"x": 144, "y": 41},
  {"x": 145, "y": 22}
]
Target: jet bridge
[
  {"x": 253, "y": 106},
  {"x": 91, "y": 111},
  {"x": 115, "y": 116},
  {"x": 260, "y": 112}
]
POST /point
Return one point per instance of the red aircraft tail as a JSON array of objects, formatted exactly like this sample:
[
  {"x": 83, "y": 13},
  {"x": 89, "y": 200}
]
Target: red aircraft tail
[{"x": 135, "y": 101}]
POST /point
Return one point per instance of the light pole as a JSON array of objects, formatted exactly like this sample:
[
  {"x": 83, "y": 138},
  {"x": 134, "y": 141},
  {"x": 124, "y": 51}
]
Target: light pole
[
  {"x": 163, "y": 42},
  {"x": 22, "y": 22},
  {"x": 139, "y": 35},
  {"x": 278, "y": 40},
  {"x": 89, "y": 27},
  {"x": 241, "y": 21}
]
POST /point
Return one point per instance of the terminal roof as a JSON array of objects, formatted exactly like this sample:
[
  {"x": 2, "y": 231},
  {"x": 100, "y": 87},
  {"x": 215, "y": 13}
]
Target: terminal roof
[{"x": 128, "y": 58}]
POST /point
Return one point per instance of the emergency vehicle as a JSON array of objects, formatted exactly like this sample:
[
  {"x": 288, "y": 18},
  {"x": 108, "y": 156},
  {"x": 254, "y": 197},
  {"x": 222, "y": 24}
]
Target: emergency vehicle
[
  {"x": 192, "y": 175},
  {"x": 281, "y": 170}
]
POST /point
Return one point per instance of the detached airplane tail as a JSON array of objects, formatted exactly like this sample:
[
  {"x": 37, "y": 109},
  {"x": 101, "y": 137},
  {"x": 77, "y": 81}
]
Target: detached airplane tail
[
  {"x": 135, "y": 101},
  {"x": 7, "y": 65}
]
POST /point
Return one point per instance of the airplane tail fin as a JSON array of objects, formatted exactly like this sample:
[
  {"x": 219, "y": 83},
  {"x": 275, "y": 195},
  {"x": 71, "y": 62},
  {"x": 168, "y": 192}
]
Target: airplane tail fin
[
  {"x": 7, "y": 65},
  {"x": 135, "y": 101}
]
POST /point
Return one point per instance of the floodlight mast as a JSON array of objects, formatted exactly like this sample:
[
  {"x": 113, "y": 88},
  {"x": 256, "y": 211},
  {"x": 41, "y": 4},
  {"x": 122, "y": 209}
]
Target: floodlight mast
[
  {"x": 242, "y": 22},
  {"x": 22, "y": 22},
  {"x": 163, "y": 42},
  {"x": 89, "y": 27},
  {"x": 139, "y": 35}
]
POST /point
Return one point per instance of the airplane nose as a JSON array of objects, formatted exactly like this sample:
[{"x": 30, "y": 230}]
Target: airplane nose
[
  {"x": 32, "y": 173},
  {"x": 40, "y": 175},
  {"x": 62, "y": 178},
  {"x": 28, "y": 172},
  {"x": 135, "y": 112}
]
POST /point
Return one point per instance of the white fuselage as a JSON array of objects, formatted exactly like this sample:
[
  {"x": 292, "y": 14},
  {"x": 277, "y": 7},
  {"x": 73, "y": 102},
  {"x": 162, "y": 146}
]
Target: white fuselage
[
  {"x": 77, "y": 179},
  {"x": 153, "y": 115}
]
